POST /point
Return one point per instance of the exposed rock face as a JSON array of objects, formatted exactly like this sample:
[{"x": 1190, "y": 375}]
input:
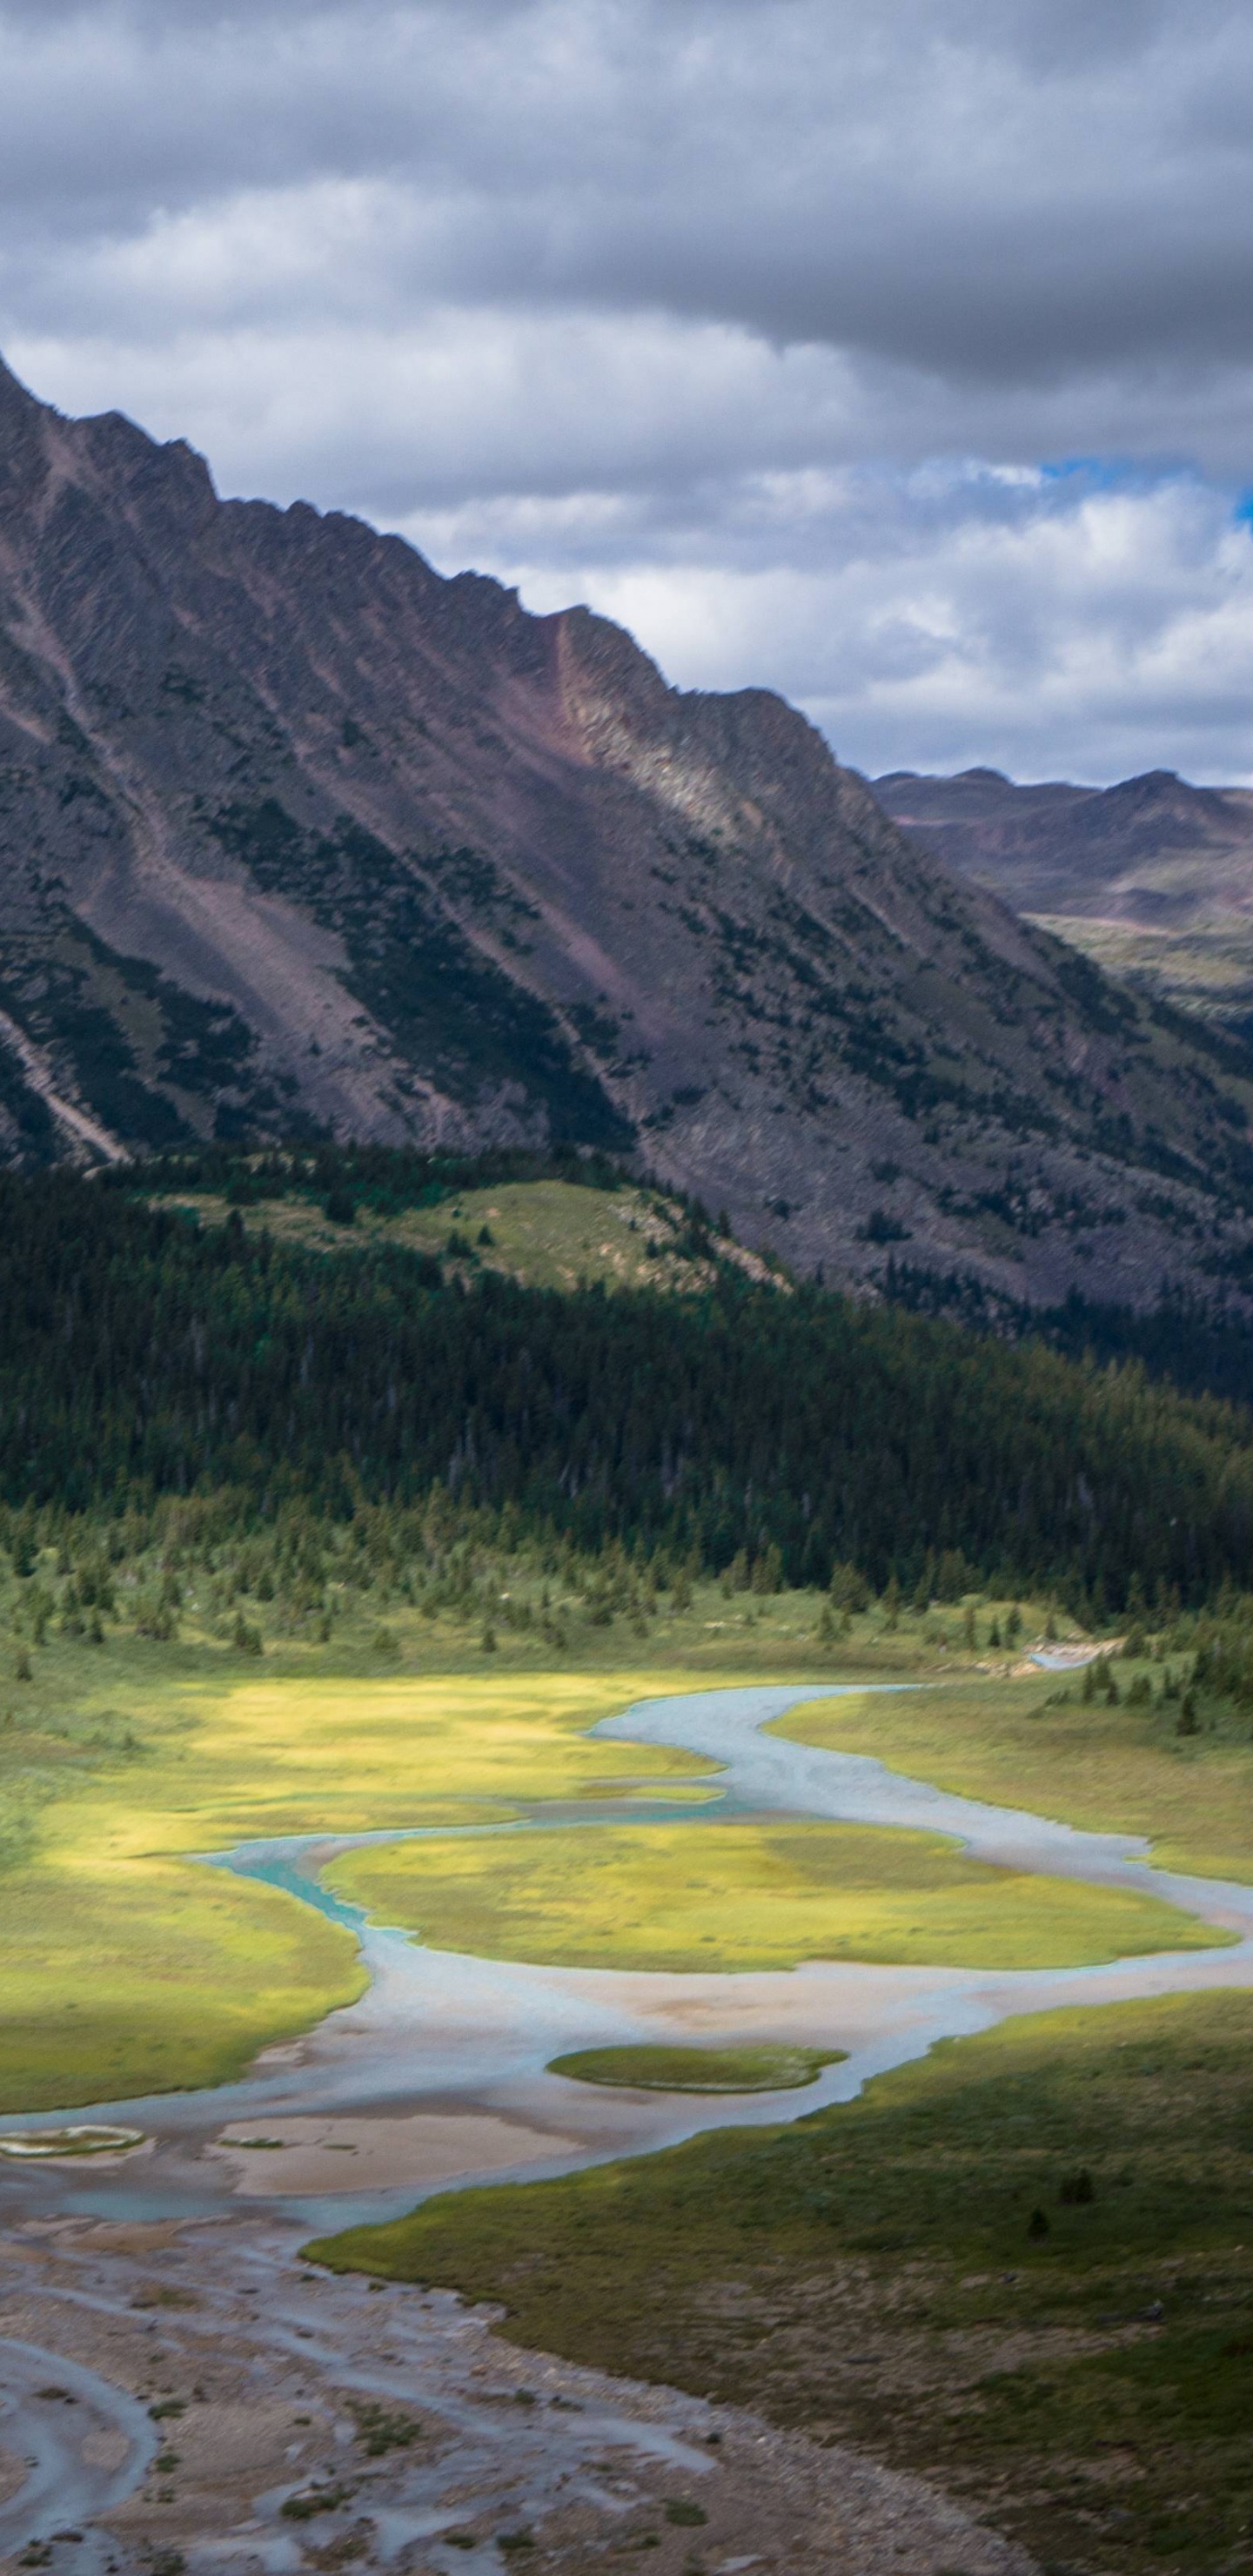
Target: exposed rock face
[{"x": 296, "y": 832}]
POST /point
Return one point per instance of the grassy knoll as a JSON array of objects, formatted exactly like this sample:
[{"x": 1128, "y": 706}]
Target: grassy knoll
[
  {"x": 878, "y": 2273},
  {"x": 1120, "y": 1769},
  {"x": 743, "y": 1895},
  {"x": 123, "y": 1966},
  {"x": 698, "y": 2070},
  {"x": 545, "y": 1234}
]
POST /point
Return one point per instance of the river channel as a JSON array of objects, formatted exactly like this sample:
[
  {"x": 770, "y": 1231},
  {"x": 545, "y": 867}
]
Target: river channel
[{"x": 437, "y": 2077}]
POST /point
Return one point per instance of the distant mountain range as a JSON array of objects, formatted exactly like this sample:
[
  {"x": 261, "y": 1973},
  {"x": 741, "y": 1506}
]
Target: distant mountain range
[
  {"x": 300, "y": 837},
  {"x": 1153, "y": 878}
]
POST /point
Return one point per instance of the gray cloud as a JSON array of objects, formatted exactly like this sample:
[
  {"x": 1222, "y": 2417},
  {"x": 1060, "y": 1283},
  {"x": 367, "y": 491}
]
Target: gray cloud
[
  {"x": 606, "y": 291},
  {"x": 1010, "y": 197}
]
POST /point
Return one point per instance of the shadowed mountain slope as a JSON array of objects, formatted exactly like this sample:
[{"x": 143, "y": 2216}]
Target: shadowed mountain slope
[{"x": 297, "y": 834}]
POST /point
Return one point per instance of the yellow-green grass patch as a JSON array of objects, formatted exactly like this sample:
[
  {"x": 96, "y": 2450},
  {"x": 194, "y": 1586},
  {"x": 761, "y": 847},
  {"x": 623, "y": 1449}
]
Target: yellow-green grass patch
[
  {"x": 698, "y": 2070},
  {"x": 1110, "y": 1770},
  {"x": 546, "y": 1234},
  {"x": 118, "y": 1980},
  {"x": 127, "y": 1967},
  {"x": 744, "y": 1895}
]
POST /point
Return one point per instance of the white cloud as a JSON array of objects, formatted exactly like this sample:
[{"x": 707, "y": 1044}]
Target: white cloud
[
  {"x": 1073, "y": 631},
  {"x": 456, "y": 404}
]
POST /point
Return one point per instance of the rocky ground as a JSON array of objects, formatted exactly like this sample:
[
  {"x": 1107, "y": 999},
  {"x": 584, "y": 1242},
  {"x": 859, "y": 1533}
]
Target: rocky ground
[{"x": 195, "y": 2396}]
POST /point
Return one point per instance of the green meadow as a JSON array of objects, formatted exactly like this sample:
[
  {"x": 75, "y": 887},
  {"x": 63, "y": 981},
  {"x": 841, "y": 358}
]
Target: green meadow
[
  {"x": 743, "y": 1895},
  {"x": 127, "y": 1967},
  {"x": 1022, "y": 2266}
]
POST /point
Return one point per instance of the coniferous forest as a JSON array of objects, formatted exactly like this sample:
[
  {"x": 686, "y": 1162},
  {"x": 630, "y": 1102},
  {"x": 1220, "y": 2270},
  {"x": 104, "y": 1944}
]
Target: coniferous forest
[{"x": 151, "y": 1356}]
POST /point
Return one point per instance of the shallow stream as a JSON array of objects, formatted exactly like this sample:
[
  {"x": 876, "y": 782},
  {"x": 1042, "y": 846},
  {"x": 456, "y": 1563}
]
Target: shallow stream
[{"x": 436, "y": 2077}]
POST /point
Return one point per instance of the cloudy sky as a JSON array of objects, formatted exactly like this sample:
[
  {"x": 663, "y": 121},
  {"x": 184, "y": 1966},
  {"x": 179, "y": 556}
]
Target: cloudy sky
[{"x": 897, "y": 356}]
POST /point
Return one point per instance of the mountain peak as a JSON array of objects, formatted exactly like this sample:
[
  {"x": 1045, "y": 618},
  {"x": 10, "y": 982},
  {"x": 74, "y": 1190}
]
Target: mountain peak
[
  {"x": 14, "y": 395},
  {"x": 302, "y": 837}
]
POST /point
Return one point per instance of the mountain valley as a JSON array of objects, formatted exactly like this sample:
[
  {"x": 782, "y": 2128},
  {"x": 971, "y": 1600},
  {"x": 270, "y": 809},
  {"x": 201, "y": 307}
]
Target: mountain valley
[{"x": 1152, "y": 879}]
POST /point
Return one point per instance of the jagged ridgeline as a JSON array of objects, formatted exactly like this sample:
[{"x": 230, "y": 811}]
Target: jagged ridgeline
[
  {"x": 299, "y": 838},
  {"x": 149, "y": 1355}
]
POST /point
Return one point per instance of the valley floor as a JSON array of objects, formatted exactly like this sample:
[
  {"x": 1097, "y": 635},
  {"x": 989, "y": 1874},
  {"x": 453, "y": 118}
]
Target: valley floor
[{"x": 907, "y": 2370}]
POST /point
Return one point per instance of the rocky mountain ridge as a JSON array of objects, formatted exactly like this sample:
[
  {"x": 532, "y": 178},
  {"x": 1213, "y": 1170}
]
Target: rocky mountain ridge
[{"x": 299, "y": 836}]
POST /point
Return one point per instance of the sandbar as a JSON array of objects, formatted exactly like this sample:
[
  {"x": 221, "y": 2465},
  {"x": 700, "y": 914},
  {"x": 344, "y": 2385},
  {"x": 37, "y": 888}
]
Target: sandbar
[{"x": 381, "y": 2154}]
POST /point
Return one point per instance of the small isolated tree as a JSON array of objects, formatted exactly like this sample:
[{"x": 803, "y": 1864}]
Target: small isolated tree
[
  {"x": 768, "y": 1571},
  {"x": 1037, "y": 2225},
  {"x": 892, "y": 1606},
  {"x": 849, "y": 1588},
  {"x": 25, "y": 1552},
  {"x": 970, "y": 1633},
  {"x": 952, "y": 1575},
  {"x": 1013, "y": 1625}
]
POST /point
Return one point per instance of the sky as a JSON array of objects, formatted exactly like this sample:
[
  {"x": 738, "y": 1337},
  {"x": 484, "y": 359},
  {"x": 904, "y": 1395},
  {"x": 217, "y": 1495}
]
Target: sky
[{"x": 899, "y": 357}]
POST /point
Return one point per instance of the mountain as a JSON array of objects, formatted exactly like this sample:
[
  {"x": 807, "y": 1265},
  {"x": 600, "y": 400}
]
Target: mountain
[
  {"x": 300, "y": 837},
  {"x": 1153, "y": 878}
]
